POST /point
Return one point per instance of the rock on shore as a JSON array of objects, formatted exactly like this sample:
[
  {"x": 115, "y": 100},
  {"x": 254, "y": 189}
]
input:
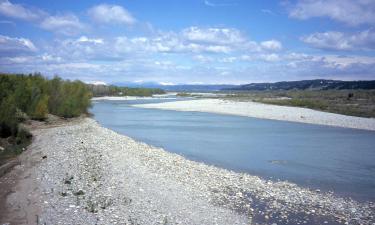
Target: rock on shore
[{"x": 91, "y": 175}]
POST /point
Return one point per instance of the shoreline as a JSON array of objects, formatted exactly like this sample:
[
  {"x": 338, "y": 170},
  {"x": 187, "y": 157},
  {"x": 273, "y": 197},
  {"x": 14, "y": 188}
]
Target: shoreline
[
  {"x": 94, "y": 175},
  {"x": 266, "y": 111}
]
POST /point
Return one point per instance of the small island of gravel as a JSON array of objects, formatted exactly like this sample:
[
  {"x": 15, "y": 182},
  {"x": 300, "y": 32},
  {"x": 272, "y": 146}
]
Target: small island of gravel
[
  {"x": 81, "y": 173},
  {"x": 266, "y": 111}
]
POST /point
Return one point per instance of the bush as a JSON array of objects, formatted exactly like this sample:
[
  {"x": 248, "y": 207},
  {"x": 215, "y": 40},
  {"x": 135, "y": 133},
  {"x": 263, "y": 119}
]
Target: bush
[
  {"x": 33, "y": 96},
  {"x": 23, "y": 134},
  {"x": 21, "y": 116},
  {"x": 36, "y": 96}
]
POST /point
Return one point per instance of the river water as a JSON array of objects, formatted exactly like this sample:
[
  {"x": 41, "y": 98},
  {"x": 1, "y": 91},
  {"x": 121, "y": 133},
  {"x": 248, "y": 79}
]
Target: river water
[{"x": 319, "y": 157}]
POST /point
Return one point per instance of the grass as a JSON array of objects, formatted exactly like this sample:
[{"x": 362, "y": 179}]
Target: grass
[{"x": 348, "y": 102}]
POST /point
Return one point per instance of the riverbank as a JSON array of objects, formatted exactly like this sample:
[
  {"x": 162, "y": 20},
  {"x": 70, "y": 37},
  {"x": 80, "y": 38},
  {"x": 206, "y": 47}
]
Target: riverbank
[
  {"x": 265, "y": 111},
  {"x": 82, "y": 173}
]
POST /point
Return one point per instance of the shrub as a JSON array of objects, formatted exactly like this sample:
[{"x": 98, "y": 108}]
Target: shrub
[
  {"x": 23, "y": 96},
  {"x": 23, "y": 134}
]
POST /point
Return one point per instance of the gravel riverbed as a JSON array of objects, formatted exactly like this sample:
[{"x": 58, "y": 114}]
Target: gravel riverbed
[
  {"x": 88, "y": 174},
  {"x": 266, "y": 111}
]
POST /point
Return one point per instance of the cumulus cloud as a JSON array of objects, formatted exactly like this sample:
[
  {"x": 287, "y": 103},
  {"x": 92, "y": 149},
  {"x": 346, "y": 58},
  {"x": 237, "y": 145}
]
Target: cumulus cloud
[
  {"x": 334, "y": 40},
  {"x": 272, "y": 45},
  {"x": 168, "y": 42},
  {"x": 111, "y": 14},
  {"x": 228, "y": 59},
  {"x": 336, "y": 67},
  {"x": 84, "y": 39},
  {"x": 195, "y": 40},
  {"x": 16, "y": 46},
  {"x": 67, "y": 24},
  {"x": 203, "y": 58},
  {"x": 83, "y": 48},
  {"x": 270, "y": 57},
  {"x": 227, "y": 36},
  {"x": 18, "y": 11},
  {"x": 346, "y": 11}
]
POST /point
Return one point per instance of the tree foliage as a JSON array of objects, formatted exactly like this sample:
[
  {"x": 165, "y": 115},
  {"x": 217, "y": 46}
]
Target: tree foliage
[
  {"x": 35, "y": 96},
  {"x": 105, "y": 90}
]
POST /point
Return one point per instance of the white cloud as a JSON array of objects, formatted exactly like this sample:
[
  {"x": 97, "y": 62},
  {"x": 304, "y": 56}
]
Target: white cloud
[
  {"x": 217, "y": 4},
  {"x": 334, "y": 40},
  {"x": 16, "y": 46},
  {"x": 228, "y": 36},
  {"x": 272, "y": 45},
  {"x": 6, "y": 22},
  {"x": 165, "y": 83},
  {"x": 67, "y": 24},
  {"x": 351, "y": 12},
  {"x": 97, "y": 82},
  {"x": 228, "y": 59},
  {"x": 270, "y": 57},
  {"x": 267, "y": 11},
  {"x": 84, "y": 39},
  {"x": 18, "y": 11},
  {"x": 168, "y": 42},
  {"x": 195, "y": 40},
  {"x": 111, "y": 14},
  {"x": 342, "y": 62},
  {"x": 48, "y": 58},
  {"x": 297, "y": 56},
  {"x": 203, "y": 58}
]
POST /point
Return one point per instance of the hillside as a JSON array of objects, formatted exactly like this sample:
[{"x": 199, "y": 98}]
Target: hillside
[
  {"x": 319, "y": 84},
  {"x": 178, "y": 87}
]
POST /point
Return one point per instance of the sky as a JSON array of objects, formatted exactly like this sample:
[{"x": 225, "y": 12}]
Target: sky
[{"x": 189, "y": 41}]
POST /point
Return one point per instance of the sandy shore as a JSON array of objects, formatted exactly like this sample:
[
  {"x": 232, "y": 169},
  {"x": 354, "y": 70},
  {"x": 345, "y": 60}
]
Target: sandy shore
[
  {"x": 265, "y": 111},
  {"x": 82, "y": 173}
]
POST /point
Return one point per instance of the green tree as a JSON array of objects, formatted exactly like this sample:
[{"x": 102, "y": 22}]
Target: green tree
[{"x": 41, "y": 108}]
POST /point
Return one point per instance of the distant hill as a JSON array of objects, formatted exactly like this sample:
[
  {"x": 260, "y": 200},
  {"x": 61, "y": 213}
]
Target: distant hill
[
  {"x": 319, "y": 84},
  {"x": 197, "y": 88},
  {"x": 180, "y": 87}
]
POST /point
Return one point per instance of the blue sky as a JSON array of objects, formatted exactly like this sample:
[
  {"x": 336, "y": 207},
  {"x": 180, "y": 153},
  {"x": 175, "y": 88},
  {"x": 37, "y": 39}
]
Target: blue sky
[{"x": 195, "y": 41}]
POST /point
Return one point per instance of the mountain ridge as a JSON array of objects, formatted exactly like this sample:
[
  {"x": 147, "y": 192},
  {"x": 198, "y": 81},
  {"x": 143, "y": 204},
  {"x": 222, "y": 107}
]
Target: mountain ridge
[{"x": 317, "y": 84}]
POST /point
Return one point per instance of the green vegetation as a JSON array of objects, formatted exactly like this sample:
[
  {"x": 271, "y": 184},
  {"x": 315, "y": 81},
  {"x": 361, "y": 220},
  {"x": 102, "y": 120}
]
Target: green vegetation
[
  {"x": 104, "y": 90},
  {"x": 347, "y": 102},
  {"x": 24, "y": 97},
  {"x": 183, "y": 94}
]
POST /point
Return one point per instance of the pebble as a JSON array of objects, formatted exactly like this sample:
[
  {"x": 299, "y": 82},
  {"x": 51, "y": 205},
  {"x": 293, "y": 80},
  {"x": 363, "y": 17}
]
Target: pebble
[{"x": 144, "y": 184}]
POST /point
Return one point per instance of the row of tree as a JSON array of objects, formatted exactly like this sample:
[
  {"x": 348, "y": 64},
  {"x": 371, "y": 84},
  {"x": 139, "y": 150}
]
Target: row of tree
[
  {"x": 110, "y": 90},
  {"x": 33, "y": 96}
]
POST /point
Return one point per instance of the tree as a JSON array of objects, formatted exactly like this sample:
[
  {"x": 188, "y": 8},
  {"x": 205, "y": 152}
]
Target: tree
[{"x": 41, "y": 108}]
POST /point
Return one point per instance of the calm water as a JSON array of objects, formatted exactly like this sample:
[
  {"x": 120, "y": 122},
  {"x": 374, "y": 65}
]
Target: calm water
[{"x": 321, "y": 157}]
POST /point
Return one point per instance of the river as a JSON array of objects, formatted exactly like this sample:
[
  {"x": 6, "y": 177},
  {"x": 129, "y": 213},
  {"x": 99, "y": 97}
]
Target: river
[{"x": 327, "y": 158}]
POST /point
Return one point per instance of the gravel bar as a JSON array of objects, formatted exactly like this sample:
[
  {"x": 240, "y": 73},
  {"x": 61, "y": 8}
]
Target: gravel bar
[
  {"x": 266, "y": 111},
  {"x": 92, "y": 175}
]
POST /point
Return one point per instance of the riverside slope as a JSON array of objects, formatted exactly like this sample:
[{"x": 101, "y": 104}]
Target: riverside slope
[
  {"x": 87, "y": 174},
  {"x": 265, "y": 111}
]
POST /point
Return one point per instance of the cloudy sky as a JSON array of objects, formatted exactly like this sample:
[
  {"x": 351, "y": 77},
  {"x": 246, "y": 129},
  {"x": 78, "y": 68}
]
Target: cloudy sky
[{"x": 190, "y": 41}]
